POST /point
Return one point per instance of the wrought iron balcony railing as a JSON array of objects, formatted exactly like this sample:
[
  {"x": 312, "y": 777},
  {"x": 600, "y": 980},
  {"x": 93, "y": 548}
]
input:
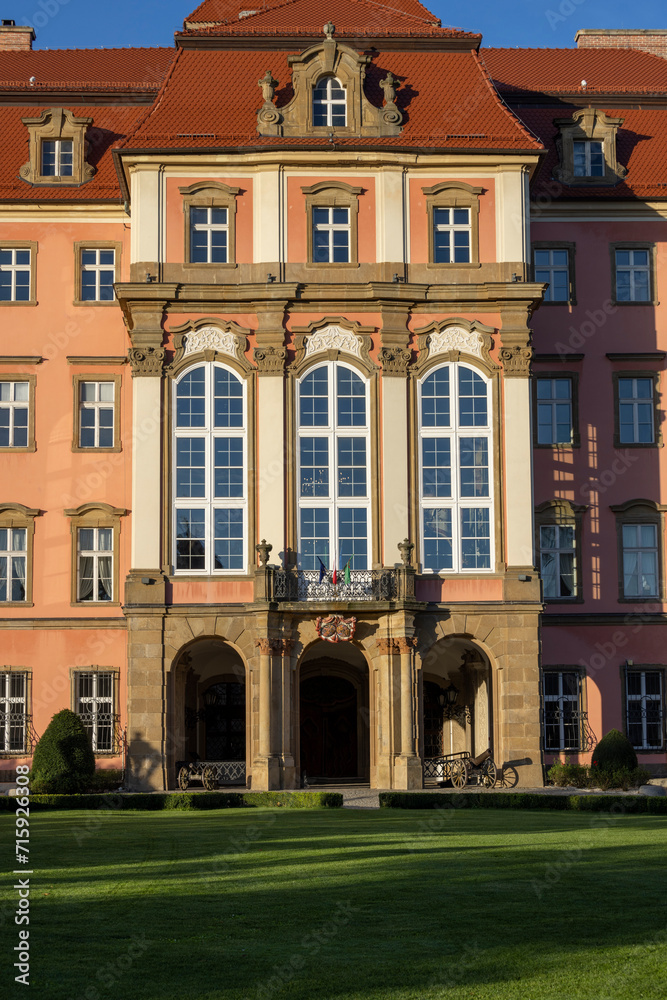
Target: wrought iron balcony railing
[{"x": 364, "y": 585}]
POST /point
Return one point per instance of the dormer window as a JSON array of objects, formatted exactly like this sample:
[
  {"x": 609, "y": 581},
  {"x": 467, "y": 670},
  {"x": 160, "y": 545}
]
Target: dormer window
[
  {"x": 57, "y": 158},
  {"x": 588, "y": 159},
  {"x": 329, "y": 103}
]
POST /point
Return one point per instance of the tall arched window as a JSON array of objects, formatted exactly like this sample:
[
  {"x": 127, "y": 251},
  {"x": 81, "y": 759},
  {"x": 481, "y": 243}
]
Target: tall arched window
[
  {"x": 329, "y": 103},
  {"x": 455, "y": 471},
  {"x": 333, "y": 469},
  {"x": 210, "y": 471}
]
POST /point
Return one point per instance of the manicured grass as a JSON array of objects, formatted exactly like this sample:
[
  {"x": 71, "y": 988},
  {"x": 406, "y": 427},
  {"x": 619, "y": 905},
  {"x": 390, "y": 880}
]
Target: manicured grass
[{"x": 343, "y": 905}]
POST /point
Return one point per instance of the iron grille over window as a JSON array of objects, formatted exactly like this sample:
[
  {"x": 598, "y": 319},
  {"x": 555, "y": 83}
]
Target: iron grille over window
[
  {"x": 565, "y": 724},
  {"x": 95, "y": 705},
  {"x": 644, "y": 709},
  {"x": 14, "y": 720}
]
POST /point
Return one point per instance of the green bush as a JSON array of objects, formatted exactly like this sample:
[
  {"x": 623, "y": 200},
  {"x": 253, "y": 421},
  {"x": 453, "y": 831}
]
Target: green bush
[
  {"x": 107, "y": 780},
  {"x": 568, "y": 775},
  {"x": 615, "y": 805},
  {"x": 63, "y": 762},
  {"x": 614, "y": 752},
  {"x": 295, "y": 800}
]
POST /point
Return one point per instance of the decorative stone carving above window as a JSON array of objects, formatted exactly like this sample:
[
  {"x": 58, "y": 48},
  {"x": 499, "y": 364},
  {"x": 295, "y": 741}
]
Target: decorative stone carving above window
[
  {"x": 446, "y": 341},
  {"x": 579, "y": 143},
  {"x": 57, "y": 149},
  {"x": 203, "y": 338},
  {"x": 334, "y": 59},
  {"x": 331, "y": 338}
]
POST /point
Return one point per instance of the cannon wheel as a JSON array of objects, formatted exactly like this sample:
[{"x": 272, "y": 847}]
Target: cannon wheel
[
  {"x": 508, "y": 777},
  {"x": 459, "y": 773},
  {"x": 183, "y": 779},
  {"x": 208, "y": 779},
  {"x": 489, "y": 773}
]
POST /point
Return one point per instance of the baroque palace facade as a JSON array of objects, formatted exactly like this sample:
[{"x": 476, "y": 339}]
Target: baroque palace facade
[{"x": 295, "y": 478}]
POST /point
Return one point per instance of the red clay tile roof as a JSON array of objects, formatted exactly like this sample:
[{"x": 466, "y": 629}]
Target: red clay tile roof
[
  {"x": 447, "y": 98},
  {"x": 82, "y": 69},
  {"x": 642, "y": 148},
  {"x": 109, "y": 128},
  {"x": 560, "y": 71},
  {"x": 226, "y": 12}
]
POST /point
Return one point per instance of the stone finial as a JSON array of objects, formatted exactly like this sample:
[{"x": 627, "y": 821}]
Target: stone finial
[
  {"x": 263, "y": 549},
  {"x": 329, "y": 29},
  {"x": 268, "y": 85},
  {"x": 405, "y": 548},
  {"x": 389, "y": 85}
]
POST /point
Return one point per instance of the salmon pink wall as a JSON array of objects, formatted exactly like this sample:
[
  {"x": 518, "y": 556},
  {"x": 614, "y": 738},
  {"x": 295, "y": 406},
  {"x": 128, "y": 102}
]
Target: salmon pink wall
[
  {"x": 175, "y": 239},
  {"x": 419, "y": 242},
  {"x": 297, "y": 232}
]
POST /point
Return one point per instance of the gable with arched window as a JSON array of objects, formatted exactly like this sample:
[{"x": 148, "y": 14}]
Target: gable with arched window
[
  {"x": 333, "y": 469},
  {"x": 210, "y": 477},
  {"x": 329, "y": 102},
  {"x": 456, "y": 470}
]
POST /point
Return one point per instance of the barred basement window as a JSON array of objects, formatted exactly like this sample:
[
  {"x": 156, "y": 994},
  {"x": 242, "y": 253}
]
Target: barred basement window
[
  {"x": 13, "y": 712},
  {"x": 562, "y": 710},
  {"x": 644, "y": 709},
  {"x": 95, "y": 696}
]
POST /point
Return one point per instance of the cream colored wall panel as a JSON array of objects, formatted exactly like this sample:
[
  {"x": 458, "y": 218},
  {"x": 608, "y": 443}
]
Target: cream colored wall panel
[
  {"x": 511, "y": 215},
  {"x": 270, "y": 463},
  {"x": 390, "y": 216},
  {"x": 267, "y": 201},
  {"x": 518, "y": 473},
  {"x": 146, "y": 479},
  {"x": 395, "y": 466},
  {"x": 146, "y": 208}
]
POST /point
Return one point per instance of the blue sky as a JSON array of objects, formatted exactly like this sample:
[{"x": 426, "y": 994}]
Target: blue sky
[{"x": 536, "y": 23}]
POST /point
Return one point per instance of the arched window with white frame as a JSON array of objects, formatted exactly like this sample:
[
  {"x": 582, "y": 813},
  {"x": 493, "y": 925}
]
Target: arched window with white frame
[
  {"x": 333, "y": 469},
  {"x": 456, "y": 471},
  {"x": 210, "y": 521},
  {"x": 329, "y": 102}
]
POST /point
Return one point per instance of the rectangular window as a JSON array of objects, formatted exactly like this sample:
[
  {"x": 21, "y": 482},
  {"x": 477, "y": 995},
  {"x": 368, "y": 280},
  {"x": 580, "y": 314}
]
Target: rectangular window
[
  {"x": 331, "y": 235},
  {"x": 314, "y": 537},
  {"x": 353, "y": 537},
  {"x": 633, "y": 275},
  {"x": 561, "y": 691},
  {"x": 553, "y": 268},
  {"x": 14, "y": 414},
  {"x": 644, "y": 709},
  {"x": 588, "y": 158},
  {"x": 451, "y": 235},
  {"x": 95, "y": 564},
  {"x": 57, "y": 157},
  {"x": 475, "y": 538},
  {"x": 640, "y": 560},
  {"x": 13, "y": 560},
  {"x": 13, "y": 711},
  {"x": 636, "y": 411},
  {"x": 94, "y": 692},
  {"x": 96, "y": 414},
  {"x": 15, "y": 273},
  {"x": 209, "y": 235},
  {"x": 438, "y": 551},
  {"x": 557, "y": 561},
  {"x": 554, "y": 411},
  {"x": 98, "y": 273}
]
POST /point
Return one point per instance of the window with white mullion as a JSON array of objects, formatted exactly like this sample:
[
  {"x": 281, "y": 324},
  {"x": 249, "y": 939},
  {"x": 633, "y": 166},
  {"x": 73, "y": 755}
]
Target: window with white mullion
[
  {"x": 635, "y": 410},
  {"x": 95, "y": 706},
  {"x": 329, "y": 102},
  {"x": 210, "y": 472},
  {"x": 13, "y": 555},
  {"x": 209, "y": 235},
  {"x": 333, "y": 474},
  {"x": 14, "y": 409},
  {"x": 588, "y": 158},
  {"x": 455, "y": 471},
  {"x": 557, "y": 561},
  {"x": 561, "y": 691},
  {"x": 644, "y": 708},
  {"x": 13, "y": 711}
]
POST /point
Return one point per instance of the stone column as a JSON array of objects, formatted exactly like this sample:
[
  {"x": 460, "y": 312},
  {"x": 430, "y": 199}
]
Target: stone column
[
  {"x": 265, "y": 769},
  {"x": 385, "y": 716},
  {"x": 394, "y": 357},
  {"x": 408, "y": 766},
  {"x": 288, "y": 777},
  {"x": 269, "y": 356}
]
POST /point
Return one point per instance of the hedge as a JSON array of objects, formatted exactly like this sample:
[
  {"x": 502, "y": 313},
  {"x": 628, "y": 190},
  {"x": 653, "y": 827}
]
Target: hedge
[
  {"x": 180, "y": 800},
  {"x": 525, "y": 800}
]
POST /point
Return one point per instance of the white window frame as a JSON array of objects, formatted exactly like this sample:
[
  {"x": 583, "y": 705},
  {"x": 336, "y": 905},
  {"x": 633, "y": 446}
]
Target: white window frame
[
  {"x": 642, "y": 699},
  {"x": 14, "y": 268},
  {"x": 639, "y": 550},
  {"x": 633, "y": 269},
  {"x": 12, "y": 554},
  {"x": 553, "y": 402},
  {"x": 90, "y": 707},
  {"x": 97, "y": 268},
  {"x": 12, "y": 404},
  {"x": 95, "y": 553},
  {"x": 209, "y": 503},
  {"x": 60, "y": 156},
  {"x": 588, "y": 149},
  {"x": 559, "y": 699},
  {"x": 333, "y": 432},
  {"x": 209, "y": 227},
  {"x": 557, "y": 552},
  {"x": 330, "y": 228},
  {"x": 7, "y": 700},
  {"x": 451, "y": 228},
  {"x": 96, "y": 405},
  {"x": 552, "y": 269},
  {"x": 457, "y": 503},
  {"x": 329, "y": 103},
  {"x": 635, "y": 402}
]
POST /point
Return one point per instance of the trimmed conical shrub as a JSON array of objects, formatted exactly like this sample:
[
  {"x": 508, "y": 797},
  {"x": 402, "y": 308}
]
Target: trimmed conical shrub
[
  {"x": 613, "y": 752},
  {"x": 63, "y": 761}
]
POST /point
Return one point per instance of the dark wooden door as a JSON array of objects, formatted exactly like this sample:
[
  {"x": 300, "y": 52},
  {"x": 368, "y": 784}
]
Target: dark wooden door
[{"x": 329, "y": 743}]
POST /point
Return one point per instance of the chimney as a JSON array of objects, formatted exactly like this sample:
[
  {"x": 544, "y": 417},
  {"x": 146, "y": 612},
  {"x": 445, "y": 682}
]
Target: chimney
[
  {"x": 653, "y": 40},
  {"x": 16, "y": 39}
]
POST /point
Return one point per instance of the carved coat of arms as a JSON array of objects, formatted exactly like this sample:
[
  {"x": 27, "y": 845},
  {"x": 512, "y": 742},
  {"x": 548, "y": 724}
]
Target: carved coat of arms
[{"x": 335, "y": 628}]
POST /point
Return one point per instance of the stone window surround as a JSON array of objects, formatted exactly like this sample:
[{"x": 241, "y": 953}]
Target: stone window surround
[
  {"x": 567, "y": 514},
  {"x": 657, "y": 428},
  {"x": 564, "y": 668},
  {"x": 588, "y": 124},
  {"x": 640, "y": 511},
  {"x": 571, "y": 268},
  {"x": 27, "y": 673},
  {"x": 32, "y": 383},
  {"x": 574, "y": 400},
  {"x": 453, "y": 194},
  {"x": 54, "y": 124},
  {"x": 210, "y": 194},
  {"x": 95, "y": 515},
  {"x": 333, "y": 194},
  {"x": 652, "y": 268},
  {"x": 96, "y": 377},
  {"x": 94, "y": 669},
  {"x": 81, "y": 245},
  {"x": 643, "y": 668},
  {"x": 32, "y": 246},
  {"x": 16, "y": 515}
]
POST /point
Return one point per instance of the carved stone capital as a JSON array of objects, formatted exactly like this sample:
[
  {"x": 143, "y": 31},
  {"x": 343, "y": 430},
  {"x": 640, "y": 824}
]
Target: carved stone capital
[
  {"x": 405, "y": 643},
  {"x": 516, "y": 360},
  {"x": 146, "y": 361},
  {"x": 270, "y": 360},
  {"x": 268, "y": 646},
  {"x": 394, "y": 361},
  {"x": 385, "y": 646}
]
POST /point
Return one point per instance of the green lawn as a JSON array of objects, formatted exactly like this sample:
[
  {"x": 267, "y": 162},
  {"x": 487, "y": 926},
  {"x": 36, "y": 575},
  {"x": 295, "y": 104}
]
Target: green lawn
[{"x": 256, "y": 903}]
